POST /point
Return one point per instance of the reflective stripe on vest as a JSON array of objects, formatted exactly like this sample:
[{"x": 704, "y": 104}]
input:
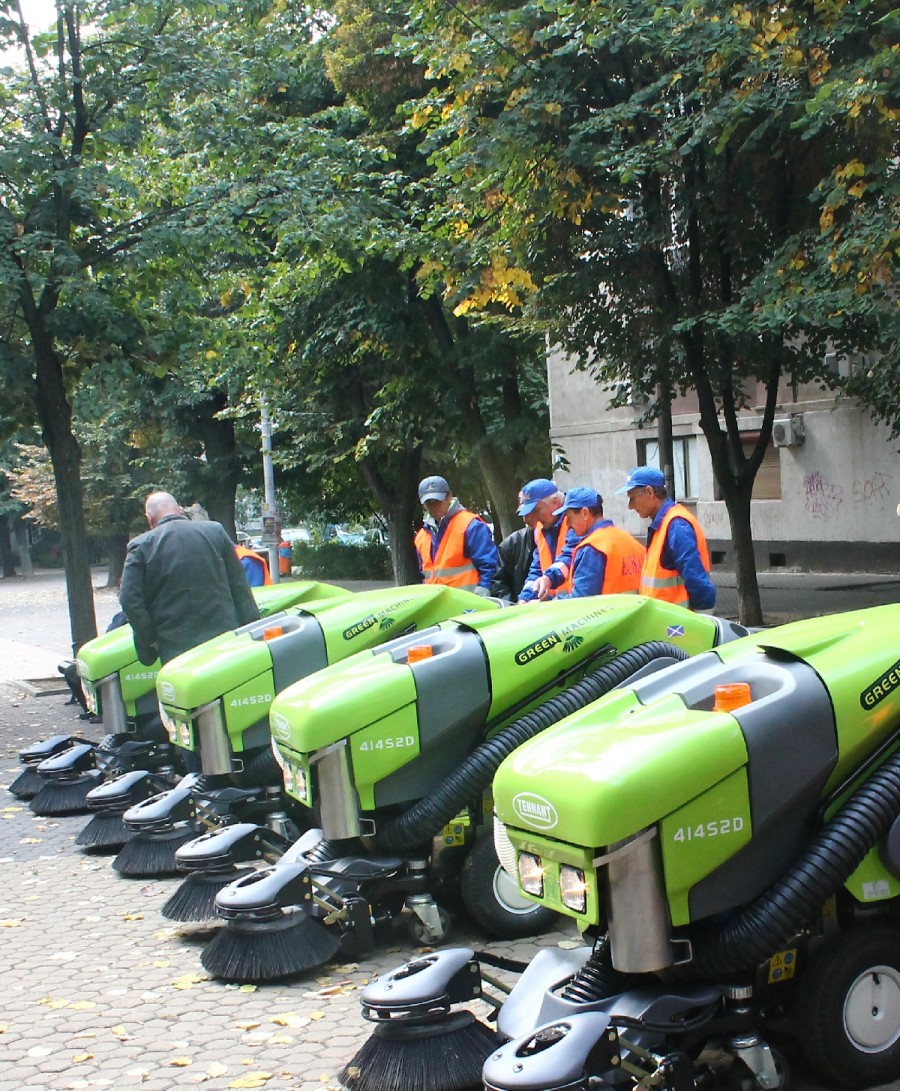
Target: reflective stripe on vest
[
  {"x": 624, "y": 561},
  {"x": 666, "y": 584},
  {"x": 450, "y": 565}
]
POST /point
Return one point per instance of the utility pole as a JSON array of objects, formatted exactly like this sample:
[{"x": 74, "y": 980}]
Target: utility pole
[{"x": 271, "y": 517}]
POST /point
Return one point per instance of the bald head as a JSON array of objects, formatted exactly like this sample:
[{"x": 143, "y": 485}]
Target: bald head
[{"x": 160, "y": 504}]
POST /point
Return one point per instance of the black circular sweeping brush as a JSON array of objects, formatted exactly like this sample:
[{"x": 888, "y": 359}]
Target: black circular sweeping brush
[
  {"x": 259, "y": 951},
  {"x": 59, "y": 797},
  {"x": 444, "y": 1055},
  {"x": 195, "y": 898},
  {"x": 27, "y": 784},
  {"x": 153, "y": 854},
  {"x": 104, "y": 831}
]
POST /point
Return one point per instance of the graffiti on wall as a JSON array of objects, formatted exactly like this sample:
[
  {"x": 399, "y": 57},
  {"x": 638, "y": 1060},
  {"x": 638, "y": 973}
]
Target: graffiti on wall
[
  {"x": 877, "y": 487},
  {"x": 823, "y": 498}
]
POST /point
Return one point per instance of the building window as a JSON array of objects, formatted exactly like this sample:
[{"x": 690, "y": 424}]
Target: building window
[{"x": 684, "y": 452}]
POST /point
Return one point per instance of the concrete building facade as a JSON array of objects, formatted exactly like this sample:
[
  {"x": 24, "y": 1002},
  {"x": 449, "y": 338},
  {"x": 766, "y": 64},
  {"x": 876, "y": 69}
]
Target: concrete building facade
[{"x": 825, "y": 498}]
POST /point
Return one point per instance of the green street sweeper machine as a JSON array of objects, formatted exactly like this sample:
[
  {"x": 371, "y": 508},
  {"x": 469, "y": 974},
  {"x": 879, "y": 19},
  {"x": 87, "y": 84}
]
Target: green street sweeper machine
[
  {"x": 391, "y": 754},
  {"x": 215, "y": 701},
  {"x": 726, "y": 834},
  {"x": 120, "y": 691}
]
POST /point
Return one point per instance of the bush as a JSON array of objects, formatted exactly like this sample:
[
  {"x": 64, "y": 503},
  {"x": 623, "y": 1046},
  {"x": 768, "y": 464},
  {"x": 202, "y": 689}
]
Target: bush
[{"x": 333, "y": 561}]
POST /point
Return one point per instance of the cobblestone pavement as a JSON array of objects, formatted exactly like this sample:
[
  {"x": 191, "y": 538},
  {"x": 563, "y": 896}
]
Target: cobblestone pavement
[{"x": 99, "y": 990}]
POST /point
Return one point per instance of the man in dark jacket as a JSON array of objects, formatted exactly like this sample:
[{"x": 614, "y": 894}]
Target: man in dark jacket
[
  {"x": 182, "y": 583},
  {"x": 515, "y": 553}
]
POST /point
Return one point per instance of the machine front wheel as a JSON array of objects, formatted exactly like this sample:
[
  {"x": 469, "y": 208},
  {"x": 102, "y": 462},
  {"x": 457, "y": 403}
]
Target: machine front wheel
[
  {"x": 492, "y": 898},
  {"x": 849, "y": 1008}
]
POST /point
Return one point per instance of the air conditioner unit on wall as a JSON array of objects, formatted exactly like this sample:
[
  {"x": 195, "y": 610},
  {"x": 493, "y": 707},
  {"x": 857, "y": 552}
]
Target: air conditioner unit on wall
[{"x": 788, "y": 432}]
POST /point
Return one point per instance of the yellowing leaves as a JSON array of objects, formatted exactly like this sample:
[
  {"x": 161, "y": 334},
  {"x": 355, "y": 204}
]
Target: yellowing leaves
[
  {"x": 501, "y": 283},
  {"x": 853, "y": 169}
]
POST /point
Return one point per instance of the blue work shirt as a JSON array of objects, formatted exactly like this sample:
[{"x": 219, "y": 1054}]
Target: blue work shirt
[
  {"x": 590, "y": 565},
  {"x": 680, "y": 553}
]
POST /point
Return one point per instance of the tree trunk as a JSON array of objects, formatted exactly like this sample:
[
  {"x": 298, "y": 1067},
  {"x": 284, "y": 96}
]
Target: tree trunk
[
  {"x": 55, "y": 415},
  {"x": 737, "y": 502},
  {"x": 6, "y": 552},
  {"x": 398, "y": 503},
  {"x": 118, "y": 547},
  {"x": 220, "y": 478},
  {"x": 21, "y": 532}
]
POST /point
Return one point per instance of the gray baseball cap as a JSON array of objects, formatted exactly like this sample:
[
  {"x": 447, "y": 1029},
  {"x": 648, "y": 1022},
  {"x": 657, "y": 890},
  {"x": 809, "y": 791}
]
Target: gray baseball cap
[{"x": 433, "y": 488}]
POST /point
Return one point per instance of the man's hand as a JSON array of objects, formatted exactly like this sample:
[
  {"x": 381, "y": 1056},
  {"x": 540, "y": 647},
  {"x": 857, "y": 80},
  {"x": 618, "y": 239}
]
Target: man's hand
[{"x": 543, "y": 588}]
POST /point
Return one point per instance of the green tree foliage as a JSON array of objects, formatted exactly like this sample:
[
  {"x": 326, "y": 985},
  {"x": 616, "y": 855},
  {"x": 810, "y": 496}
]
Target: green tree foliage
[{"x": 695, "y": 195}]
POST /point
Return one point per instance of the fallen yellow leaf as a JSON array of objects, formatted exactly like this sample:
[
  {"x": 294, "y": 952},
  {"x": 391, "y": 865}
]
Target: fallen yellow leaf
[
  {"x": 252, "y": 1079},
  {"x": 132, "y": 916},
  {"x": 317, "y": 1015},
  {"x": 180, "y": 1062},
  {"x": 79, "y": 1057},
  {"x": 188, "y": 981},
  {"x": 82, "y": 1005},
  {"x": 246, "y": 1026},
  {"x": 279, "y": 1040},
  {"x": 248, "y": 988},
  {"x": 10, "y": 923},
  {"x": 290, "y": 1019}
]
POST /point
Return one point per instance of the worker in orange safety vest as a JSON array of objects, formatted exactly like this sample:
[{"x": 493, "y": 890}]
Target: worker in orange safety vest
[
  {"x": 677, "y": 566},
  {"x": 455, "y": 546},
  {"x": 538, "y": 501},
  {"x": 605, "y": 560}
]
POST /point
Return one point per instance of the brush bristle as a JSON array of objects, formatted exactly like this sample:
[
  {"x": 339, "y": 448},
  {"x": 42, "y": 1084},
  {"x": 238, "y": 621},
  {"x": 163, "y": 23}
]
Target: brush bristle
[
  {"x": 149, "y": 855},
  {"x": 450, "y": 1059},
  {"x": 104, "y": 831},
  {"x": 195, "y": 898},
  {"x": 63, "y": 796},
  {"x": 27, "y": 784},
  {"x": 260, "y": 952}
]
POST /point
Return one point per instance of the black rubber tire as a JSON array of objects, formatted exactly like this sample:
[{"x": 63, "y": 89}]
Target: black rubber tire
[
  {"x": 848, "y": 1008},
  {"x": 483, "y": 884}
]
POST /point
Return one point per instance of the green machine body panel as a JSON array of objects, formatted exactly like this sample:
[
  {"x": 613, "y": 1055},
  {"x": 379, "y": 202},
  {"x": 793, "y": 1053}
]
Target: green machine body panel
[
  {"x": 730, "y": 797},
  {"x": 408, "y": 720},
  {"x": 244, "y": 669},
  {"x": 113, "y": 652}
]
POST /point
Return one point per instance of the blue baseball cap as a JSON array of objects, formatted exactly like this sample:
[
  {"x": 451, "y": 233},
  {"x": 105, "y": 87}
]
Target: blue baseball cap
[
  {"x": 641, "y": 477},
  {"x": 533, "y": 493},
  {"x": 580, "y": 498},
  {"x": 433, "y": 488}
]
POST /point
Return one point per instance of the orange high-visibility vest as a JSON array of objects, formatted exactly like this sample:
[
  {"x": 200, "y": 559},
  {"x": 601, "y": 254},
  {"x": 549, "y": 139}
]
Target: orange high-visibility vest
[
  {"x": 543, "y": 548},
  {"x": 450, "y": 565},
  {"x": 242, "y": 551},
  {"x": 624, "y": 560},
  {"x": 666, "y": 584}
]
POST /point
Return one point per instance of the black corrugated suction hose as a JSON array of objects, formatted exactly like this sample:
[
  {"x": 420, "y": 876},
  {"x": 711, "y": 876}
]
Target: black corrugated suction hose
[
  {"x": 408, "y": 831},
  {"x": 834, "y": 854}
]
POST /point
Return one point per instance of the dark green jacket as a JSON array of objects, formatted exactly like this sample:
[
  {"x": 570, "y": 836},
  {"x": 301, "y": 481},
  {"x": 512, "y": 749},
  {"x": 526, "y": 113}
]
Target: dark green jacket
[{"x": 182, "y": 585}]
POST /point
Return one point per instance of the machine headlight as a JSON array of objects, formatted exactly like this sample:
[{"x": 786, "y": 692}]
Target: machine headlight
[
  {"x": 572, "y": 888},
  {"x": 531, "y": 874},
  {"x": 169, "y": 724}
]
